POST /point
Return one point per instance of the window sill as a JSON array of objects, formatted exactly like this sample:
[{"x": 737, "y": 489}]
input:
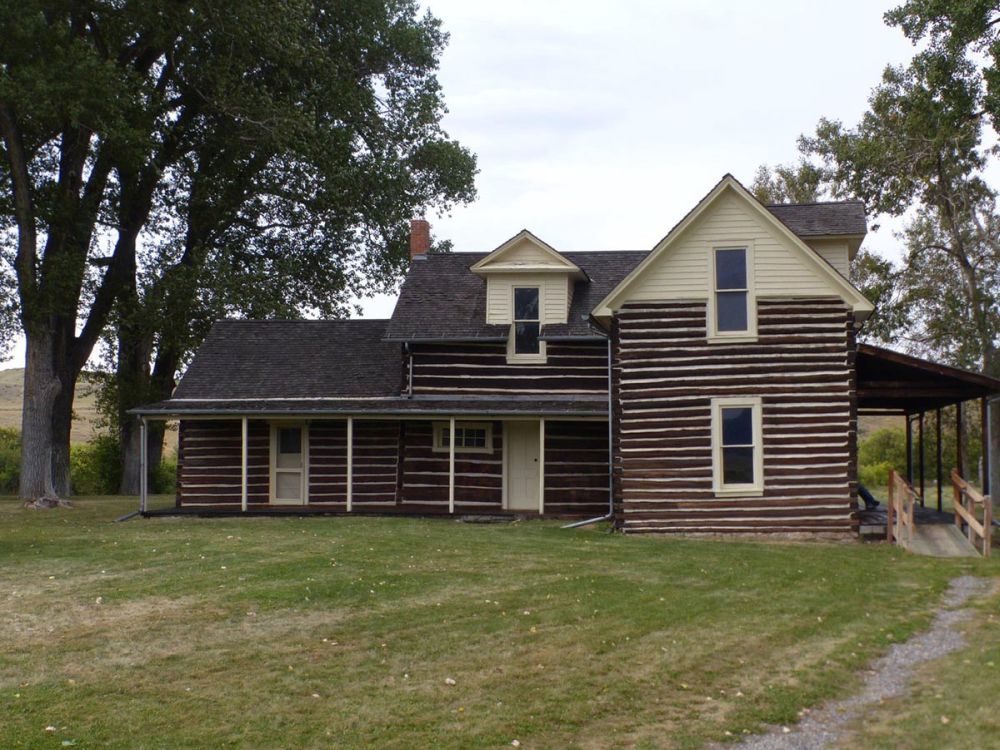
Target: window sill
[
  {"x": 739, "y": 492},
  {"x": 526, "y": 359},
  {"x": 440, "y": 449},
  {"x": 743, "y": 338}
]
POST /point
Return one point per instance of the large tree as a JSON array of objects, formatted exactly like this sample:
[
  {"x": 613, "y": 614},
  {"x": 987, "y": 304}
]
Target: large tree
[
  {"x": 171, "y": 161},
  {"x": 921, "y": 152}
]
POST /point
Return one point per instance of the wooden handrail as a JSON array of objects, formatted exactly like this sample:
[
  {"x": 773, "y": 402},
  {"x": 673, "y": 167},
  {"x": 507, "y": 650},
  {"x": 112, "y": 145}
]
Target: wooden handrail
[
  {"x": 900, "y": 525},
  {"x": 966, "y": 500}
]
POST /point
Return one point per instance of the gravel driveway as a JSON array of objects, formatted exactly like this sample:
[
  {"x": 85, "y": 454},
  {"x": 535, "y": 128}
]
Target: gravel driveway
[{"x": 888, "y": 677}]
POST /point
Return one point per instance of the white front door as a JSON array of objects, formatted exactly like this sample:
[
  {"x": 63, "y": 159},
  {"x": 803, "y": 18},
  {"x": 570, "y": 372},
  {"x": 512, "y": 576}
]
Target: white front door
[
  {"x": 288, "y": 443},
  {"x": 522, "y": 465}
]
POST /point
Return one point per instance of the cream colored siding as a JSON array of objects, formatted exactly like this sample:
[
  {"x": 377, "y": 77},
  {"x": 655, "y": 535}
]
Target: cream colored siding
[
  {"x": 682, "y": 272},
  {"x": 834, "y": 252},
  {"x": 554, "y": 292},
  {"x": 525, "y": 253}
]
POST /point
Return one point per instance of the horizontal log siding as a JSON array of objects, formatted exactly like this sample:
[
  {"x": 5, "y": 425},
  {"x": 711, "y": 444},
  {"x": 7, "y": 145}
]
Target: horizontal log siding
[
  {"x": 328, "y": 463},
  {"x": 482, "y": 368},
  {"x": 801, "y": 367},
  {"x": 576, "y": 468},
  {"x": 208, "y": 462},
  {"x": 478, "y": 476},
  {"x": 376, "y": 446}
]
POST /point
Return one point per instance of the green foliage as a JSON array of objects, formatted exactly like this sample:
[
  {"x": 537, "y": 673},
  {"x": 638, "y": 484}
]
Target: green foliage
[
  {"x": 921, "y": 151},
  {"x": 883, "y": 446},
  {"x": 10, "y": 460},
  {"x": 255, "y": 159},
  {"x": 788, "y": 183},
  {"x": 164, "y": 477},
  {"x": 96, "y": 466},
  {"x": 875, "y": 476},
  {"x": 878, "y": 279}
]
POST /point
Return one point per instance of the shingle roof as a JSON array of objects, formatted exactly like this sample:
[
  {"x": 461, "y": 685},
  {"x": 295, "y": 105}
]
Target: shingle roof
[
  {"x": 442, "y": 299},
  {"x": 822, "y": 219},
  {"x": 306, "y": 359}
]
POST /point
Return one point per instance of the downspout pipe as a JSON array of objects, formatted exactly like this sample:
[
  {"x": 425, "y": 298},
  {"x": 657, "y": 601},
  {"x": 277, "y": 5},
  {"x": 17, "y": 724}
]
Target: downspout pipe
[{"x": 611, "y": 459}]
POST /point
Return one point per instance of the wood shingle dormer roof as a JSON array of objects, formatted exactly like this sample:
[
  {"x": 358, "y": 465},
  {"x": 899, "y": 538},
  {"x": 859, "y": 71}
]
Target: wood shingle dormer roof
[{"x": 441, "y": 297}]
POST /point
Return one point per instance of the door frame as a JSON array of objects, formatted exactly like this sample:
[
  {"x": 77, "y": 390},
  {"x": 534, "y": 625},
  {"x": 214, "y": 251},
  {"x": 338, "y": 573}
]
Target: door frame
[
  {"x": 505, "y": 484},
  {"x": 273, "y": 463}
]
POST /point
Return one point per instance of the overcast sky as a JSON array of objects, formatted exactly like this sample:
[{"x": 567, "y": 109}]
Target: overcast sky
[{"x": 598, "y": 125}]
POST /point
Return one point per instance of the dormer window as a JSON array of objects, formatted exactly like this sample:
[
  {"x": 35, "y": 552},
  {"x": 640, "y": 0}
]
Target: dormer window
[
  {"x": 733, "y": 310},
  {"x": 527, "y": 320}
]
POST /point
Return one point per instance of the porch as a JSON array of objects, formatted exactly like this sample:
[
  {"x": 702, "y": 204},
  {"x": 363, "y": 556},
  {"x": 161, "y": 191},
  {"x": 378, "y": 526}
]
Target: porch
[
  {"x": 890, "y": 383},
  {"x": 497, "y": 464}
]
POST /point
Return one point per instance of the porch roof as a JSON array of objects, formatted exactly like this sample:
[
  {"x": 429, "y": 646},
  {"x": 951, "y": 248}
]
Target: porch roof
[
  {"x": 575, "y": 406},
  {"x": 895, "y": 382}
]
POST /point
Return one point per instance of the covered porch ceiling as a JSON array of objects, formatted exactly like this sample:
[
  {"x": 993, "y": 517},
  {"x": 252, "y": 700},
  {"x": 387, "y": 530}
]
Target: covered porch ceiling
[{"x": 890, "y": 382}]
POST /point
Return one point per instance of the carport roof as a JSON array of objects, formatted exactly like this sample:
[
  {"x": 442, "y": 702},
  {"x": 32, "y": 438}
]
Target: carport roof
[{"x": 896, "y": 382}]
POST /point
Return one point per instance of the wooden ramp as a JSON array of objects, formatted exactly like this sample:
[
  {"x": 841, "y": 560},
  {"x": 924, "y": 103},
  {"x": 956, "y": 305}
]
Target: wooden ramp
[
  {"x": 941, "y": 540},
  {"x": 969, "y": 536}
]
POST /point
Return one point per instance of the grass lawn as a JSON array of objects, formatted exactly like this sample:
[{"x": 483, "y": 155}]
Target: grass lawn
[{"x": 334, "y": 632}]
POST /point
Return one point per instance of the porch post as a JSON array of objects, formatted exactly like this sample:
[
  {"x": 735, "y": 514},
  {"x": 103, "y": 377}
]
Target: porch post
[
  {"x": 920, "y": 456},
  {"x": 985, "y": 409},
  {"x": 451, "y": 465},
  {"x": 350, "y": 462},
  {"x": 958, "y": 439},
  {"x": 940, "y": 477},
  {"x": 243, "y": 465},
  {"x": 909, "y": 448},
  {"x": 143, "y": 464},
  {"x": 541, "y": 466}
]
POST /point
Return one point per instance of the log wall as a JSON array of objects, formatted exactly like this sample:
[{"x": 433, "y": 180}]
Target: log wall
[
  {"x": 208, "y": 462},
  {"x": 665, "y": 375},
  {"x": 576, "y": 468},
  {"x": 478, "y": 476},
  {"x": 482, "y": 368}
]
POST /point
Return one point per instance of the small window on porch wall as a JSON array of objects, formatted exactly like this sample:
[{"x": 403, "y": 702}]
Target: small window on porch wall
[
  {"x": 737, "y": 446},
  {"x": 470, "y": 437},
  {"x": 733, "y": 308},
  {"x": 527, "y": 320}
]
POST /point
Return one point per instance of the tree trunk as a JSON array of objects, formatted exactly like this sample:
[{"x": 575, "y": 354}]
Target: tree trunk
[
  {"x": 41, "y": 390},
  {"x": 62, "y": 426}
]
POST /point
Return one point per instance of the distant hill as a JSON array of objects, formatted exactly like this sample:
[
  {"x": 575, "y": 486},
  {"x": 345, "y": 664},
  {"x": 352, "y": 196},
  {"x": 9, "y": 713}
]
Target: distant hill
[{"x": 84, "y": 406}]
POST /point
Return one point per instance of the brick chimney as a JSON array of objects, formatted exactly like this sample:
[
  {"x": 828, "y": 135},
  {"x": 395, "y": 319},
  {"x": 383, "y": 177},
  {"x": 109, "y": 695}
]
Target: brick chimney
[{"x": 420, "y": 237}]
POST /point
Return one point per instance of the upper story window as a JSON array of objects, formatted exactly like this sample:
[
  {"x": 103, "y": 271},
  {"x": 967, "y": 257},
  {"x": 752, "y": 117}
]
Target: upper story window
[
  {"x": 527, "y": 320},
  {"x": 733, "y": 311}
]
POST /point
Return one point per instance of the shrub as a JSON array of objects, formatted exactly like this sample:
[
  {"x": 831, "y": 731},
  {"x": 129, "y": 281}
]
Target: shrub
[
  {"x": 96, "y": 466},
  {"x": 10, "y": 460},
  {"x": 164, "y": 478},
  {"x": 887, "y": 445},
  {"x": 875, "y": 476}
]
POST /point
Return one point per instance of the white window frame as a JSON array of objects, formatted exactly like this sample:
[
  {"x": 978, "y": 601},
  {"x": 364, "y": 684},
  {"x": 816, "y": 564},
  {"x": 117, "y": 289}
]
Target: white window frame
[
  {"x": 714, "y": 334},
  {"x": 720, "y": 488},
  {"x": 512, "y": 355},
  {"x": 273, "y": 465},
  {"x": 440, "y": 428}
]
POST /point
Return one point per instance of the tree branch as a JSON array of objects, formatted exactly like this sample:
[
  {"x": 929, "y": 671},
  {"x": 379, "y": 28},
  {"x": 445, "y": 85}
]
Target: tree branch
[{"x": 24, "y": 210}]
